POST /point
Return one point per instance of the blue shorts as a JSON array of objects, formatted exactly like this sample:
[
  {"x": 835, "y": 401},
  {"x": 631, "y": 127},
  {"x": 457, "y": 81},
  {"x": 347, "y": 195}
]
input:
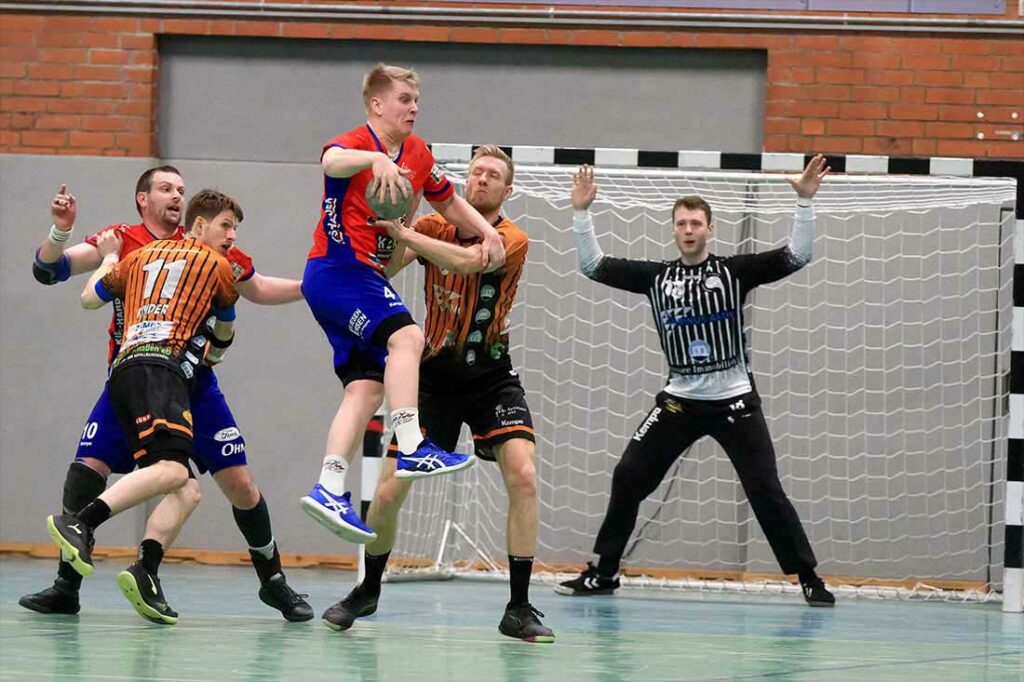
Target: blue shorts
[
  {"x": 217, "y": 441},
  {"x": 358, "y": 310}
]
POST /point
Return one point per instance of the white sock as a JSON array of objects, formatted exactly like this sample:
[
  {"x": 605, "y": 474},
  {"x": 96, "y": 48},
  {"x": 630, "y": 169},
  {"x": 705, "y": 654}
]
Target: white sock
[
  {"x": 406, "y": 423},
  {"x": 332, "y": 476},
  {"x": 266, "y": 552}
]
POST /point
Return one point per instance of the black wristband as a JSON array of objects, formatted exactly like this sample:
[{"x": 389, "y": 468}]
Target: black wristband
[{"x": 217, "y": 343}]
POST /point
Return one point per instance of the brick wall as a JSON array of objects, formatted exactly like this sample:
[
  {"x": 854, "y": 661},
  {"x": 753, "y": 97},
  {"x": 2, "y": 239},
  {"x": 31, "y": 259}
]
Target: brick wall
[{"x": 88, "y": 84}]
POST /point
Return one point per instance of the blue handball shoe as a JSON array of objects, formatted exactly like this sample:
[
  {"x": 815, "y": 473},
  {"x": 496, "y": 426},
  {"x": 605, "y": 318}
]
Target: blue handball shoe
[
  {"x": 335, "y": 513},
  {"x": 430, "y": 460}
]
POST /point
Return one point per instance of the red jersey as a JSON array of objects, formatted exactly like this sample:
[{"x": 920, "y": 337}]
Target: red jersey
[
  {"x": 343, "y": 233},
  {"x": 134, "y": 237}
]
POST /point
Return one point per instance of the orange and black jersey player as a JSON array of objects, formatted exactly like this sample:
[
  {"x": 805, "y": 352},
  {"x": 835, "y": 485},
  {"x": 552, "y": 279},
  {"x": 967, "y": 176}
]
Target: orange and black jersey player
[
  {"x": 466, "y": 375},
  {"x": 466, "y": 328},
  {"x": 168, "y": 289}
]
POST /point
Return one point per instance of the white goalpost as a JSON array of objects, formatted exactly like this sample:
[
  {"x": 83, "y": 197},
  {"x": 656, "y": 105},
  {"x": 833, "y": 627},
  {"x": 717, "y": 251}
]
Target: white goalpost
[{"x": 882, "y": 365}]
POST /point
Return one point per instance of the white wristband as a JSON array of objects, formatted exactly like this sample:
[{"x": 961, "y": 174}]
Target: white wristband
[
  {"x": 111, "y": 258},
  {"x": 58, "y": 236}
]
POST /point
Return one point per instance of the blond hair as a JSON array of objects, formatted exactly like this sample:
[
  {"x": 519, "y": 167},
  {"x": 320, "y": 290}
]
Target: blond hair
[
  {"x": 498, "y": 153},
  {"x": 378, "y": 80}
]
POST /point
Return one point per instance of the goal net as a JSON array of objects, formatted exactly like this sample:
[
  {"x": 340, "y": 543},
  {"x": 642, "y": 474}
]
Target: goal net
[{"x": 880, "y": 365}]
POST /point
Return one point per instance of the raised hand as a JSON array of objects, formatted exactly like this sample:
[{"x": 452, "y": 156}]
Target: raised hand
[
  {"x": 64, "y": 209},
  {"x": 584, "y": 189},
  {"x": 807, "y": 184}
]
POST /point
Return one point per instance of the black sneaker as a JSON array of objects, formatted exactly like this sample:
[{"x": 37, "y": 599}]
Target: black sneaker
[
  {"x": 356, "y": 605},
  {"x": 278, "y": 594},
  {"x": 75, "y": 541},
  {"x": 523, "y": 622},
  {"x": 58, "y": 598},
  {"x": 144, "y": 593},
  {"x": 590, "y": 582},
  {"x": 816, "y": 594}
]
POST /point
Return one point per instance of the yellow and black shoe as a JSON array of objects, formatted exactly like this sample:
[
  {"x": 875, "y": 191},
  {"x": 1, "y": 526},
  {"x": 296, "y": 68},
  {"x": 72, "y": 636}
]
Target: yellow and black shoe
[
  {"x": 143, "y": 591},
  {"x": 75, "y": 541}
]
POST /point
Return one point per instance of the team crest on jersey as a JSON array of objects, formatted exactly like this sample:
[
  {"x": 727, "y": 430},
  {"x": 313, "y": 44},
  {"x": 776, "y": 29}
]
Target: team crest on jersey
[
  {"x": 699, "y": 350},
  {"x": 487, "y": 292},
  {"x": 436, "y": 174},
  {"x": 475, "y": 337},
  {"x": 712, "y": 282}
]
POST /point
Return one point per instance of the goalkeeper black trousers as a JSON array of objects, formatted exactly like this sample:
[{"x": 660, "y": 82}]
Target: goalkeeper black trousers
[{"x": 669, "y": 429}]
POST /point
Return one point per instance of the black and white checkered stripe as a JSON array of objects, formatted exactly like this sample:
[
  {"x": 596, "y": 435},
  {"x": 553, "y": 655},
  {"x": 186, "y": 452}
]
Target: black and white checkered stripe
[{"x": 1013, "y": 575}]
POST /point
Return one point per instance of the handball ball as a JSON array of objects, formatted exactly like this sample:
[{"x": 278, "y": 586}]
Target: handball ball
[{"x": 386, "y": 210}]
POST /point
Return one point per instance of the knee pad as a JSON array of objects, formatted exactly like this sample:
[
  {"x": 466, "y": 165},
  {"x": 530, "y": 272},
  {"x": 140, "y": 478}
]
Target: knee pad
[{"x": 82, "y": 485}]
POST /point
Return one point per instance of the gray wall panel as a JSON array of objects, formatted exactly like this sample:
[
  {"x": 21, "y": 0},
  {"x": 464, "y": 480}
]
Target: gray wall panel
[{"x": 267, "y": 100}]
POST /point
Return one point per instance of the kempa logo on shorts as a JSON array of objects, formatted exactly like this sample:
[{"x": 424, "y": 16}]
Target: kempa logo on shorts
[
  {"x": 651, "y": 420},
  {"x": 230, "y": 433}
]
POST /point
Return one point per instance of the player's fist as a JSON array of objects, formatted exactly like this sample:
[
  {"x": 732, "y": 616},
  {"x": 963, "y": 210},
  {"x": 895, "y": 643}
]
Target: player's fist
[
  {"x": 109, "y": 242},
  {"x": 584, "y": 189},
  {"x": 63, "y": 209}
]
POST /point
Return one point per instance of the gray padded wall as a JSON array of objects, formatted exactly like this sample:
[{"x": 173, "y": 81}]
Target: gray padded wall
[{"x": 273, "y": 100}]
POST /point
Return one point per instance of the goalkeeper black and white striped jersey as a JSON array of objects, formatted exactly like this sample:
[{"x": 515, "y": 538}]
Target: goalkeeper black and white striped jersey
[
  {"x": 698, "y": 309},
  {"x": 698, "y": 312}
]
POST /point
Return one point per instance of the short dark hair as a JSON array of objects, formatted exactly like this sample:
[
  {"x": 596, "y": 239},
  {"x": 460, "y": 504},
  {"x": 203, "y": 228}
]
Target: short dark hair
[
  {"x": 208, "y": 204},
  {"x": 693, "y": 203},
  {"x": 145, "y": 182}
]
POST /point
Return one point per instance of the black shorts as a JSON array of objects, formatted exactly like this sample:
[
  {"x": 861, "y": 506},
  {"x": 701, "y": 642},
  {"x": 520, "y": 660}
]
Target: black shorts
[
  {"x": 152, "y": 406},
  {"x": 493, "y": 405}
]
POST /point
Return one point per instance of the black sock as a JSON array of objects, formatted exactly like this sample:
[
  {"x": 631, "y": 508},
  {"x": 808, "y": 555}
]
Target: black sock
[
  {"x": 71, "y": 579},
  {"x": 519, "y": 570},
  {"x": 607, "y": 566},
  {"x": 266, "y": 568},
  {"x": 151, "y": 553},
  {"x": 94, "y": 513},
  {"x": 375, "y": 565},
  {"x": 82, "y": 485},
  {"x": 255, "y": 524}
]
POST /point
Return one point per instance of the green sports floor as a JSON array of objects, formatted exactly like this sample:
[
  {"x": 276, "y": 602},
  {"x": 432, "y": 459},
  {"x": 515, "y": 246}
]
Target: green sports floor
[{"x": 448, "y": 631}]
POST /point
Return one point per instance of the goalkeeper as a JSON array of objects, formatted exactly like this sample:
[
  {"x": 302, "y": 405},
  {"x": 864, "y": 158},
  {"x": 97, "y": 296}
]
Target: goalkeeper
[{"x": 697, "y": 302}]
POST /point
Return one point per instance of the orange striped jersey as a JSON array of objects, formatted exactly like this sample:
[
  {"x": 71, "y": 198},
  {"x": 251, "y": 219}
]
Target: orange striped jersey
[
  {"x": 168, "y": 289},
  {"x": 467, "y": 315}
]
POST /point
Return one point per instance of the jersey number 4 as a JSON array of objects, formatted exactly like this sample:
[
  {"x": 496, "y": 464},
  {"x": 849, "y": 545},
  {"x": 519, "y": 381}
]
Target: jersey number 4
[{"x": 152, "y": 270}]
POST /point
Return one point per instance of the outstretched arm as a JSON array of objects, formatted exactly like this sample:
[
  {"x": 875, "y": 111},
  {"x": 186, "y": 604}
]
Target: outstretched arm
[
  {"x": 464, "y": 260},
  {"x": 801, "y": 238},
  {"x": 265, "y": 290},
  {"x": 584, "y": 191},
  {"x": 470, "y": 223}
]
